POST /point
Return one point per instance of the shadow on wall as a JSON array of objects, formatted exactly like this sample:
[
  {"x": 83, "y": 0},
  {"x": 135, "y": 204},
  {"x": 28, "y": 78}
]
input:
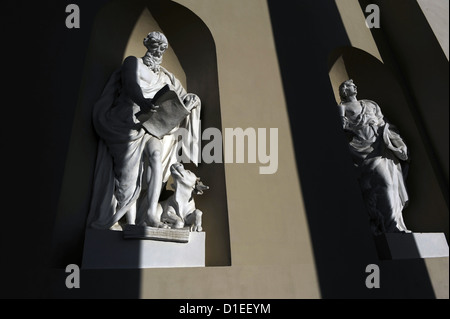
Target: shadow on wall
[
  {"x": 411, "y": 50},
  {"x": 194, "y": 46},
  {"x": 338, "y": 221}
]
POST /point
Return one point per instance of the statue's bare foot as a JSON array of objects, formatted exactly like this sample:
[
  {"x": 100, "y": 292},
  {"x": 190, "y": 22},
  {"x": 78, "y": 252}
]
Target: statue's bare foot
[
  {"x": 161, "y": 225},
  {"x": 164, "y": 226}
]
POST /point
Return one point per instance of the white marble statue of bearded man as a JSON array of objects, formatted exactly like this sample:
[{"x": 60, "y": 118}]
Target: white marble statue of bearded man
[{"x": 132, "y": 163}]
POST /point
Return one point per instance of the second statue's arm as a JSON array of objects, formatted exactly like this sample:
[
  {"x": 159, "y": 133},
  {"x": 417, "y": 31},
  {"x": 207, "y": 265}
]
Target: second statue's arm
[
  {"x": 395, "y": 142},
  {"x": 344, "y": 119},
  {"x": 401, "y": 149}
]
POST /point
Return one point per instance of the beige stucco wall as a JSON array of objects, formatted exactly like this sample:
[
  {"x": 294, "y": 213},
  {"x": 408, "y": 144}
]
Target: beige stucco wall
[
  {"x": 354, "y": 22},
  {"x": 271, "y": 252},
  {"x": 437, "y": 14},
  {"x": 270, "y": 247}
]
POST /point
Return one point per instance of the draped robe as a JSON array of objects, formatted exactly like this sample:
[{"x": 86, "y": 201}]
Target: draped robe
[
  {"x": 121, "y": 162},
  {"x": 376, "y": 147}
]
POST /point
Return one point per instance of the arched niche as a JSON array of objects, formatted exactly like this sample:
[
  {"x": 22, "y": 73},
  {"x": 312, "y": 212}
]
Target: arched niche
[
  {"x": 118, "y": 32},
  {"x": 427, "y": 210}
]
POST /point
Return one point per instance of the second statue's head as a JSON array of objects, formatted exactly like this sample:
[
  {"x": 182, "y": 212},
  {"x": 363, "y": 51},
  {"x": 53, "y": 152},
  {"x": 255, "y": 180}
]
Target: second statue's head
[{"x": 347, "y": 89}]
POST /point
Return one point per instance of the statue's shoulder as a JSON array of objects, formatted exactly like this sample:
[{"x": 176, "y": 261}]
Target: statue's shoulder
[
  {"x": 372, "y": 105},
  {"x": 130, "y": 58},
  {"x": 172, "y": 77},
  {"x": 366, "y": 101},
  {"x": 130, "y": 61},
  {"x": 167, "y": 72},
  {"x": 344, "y": 105}
]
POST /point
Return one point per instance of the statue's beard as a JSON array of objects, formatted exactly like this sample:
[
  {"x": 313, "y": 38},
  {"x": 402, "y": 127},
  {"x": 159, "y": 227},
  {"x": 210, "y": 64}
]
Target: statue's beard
[{"x": 153, "y": 62}]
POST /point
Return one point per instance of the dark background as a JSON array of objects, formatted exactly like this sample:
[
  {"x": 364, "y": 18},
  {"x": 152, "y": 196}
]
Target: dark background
[{"x": 42, "y": 67}]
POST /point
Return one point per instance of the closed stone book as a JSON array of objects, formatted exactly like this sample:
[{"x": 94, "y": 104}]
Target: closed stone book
[{"x": 170, "y": 114}]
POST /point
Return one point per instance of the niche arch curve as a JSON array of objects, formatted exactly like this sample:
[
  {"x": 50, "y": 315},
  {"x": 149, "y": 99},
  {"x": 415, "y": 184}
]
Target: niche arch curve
[{"x": 195, "y": 58}]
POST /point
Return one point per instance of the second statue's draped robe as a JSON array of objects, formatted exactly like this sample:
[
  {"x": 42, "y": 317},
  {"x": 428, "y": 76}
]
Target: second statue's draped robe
[{"x": 375, "y": 146}]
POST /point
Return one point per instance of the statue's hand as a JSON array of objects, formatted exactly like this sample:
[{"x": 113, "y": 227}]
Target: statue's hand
[
  {"x": 402, "y": 154},
  {"x": 190, "y": 101},
  {"x": 153, "y": 108}
]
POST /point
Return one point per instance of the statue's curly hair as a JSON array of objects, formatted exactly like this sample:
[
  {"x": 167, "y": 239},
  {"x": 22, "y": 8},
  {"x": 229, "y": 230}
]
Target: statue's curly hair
[{"x": 155, "y": 36}]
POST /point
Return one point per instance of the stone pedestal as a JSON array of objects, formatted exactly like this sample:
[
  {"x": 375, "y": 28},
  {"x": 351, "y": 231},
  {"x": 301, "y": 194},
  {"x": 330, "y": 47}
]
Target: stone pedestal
[
  {"x": 161, "y": 234},
  {"x": 107, "y": 249},
  {"x": 411, "y": 246}
]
